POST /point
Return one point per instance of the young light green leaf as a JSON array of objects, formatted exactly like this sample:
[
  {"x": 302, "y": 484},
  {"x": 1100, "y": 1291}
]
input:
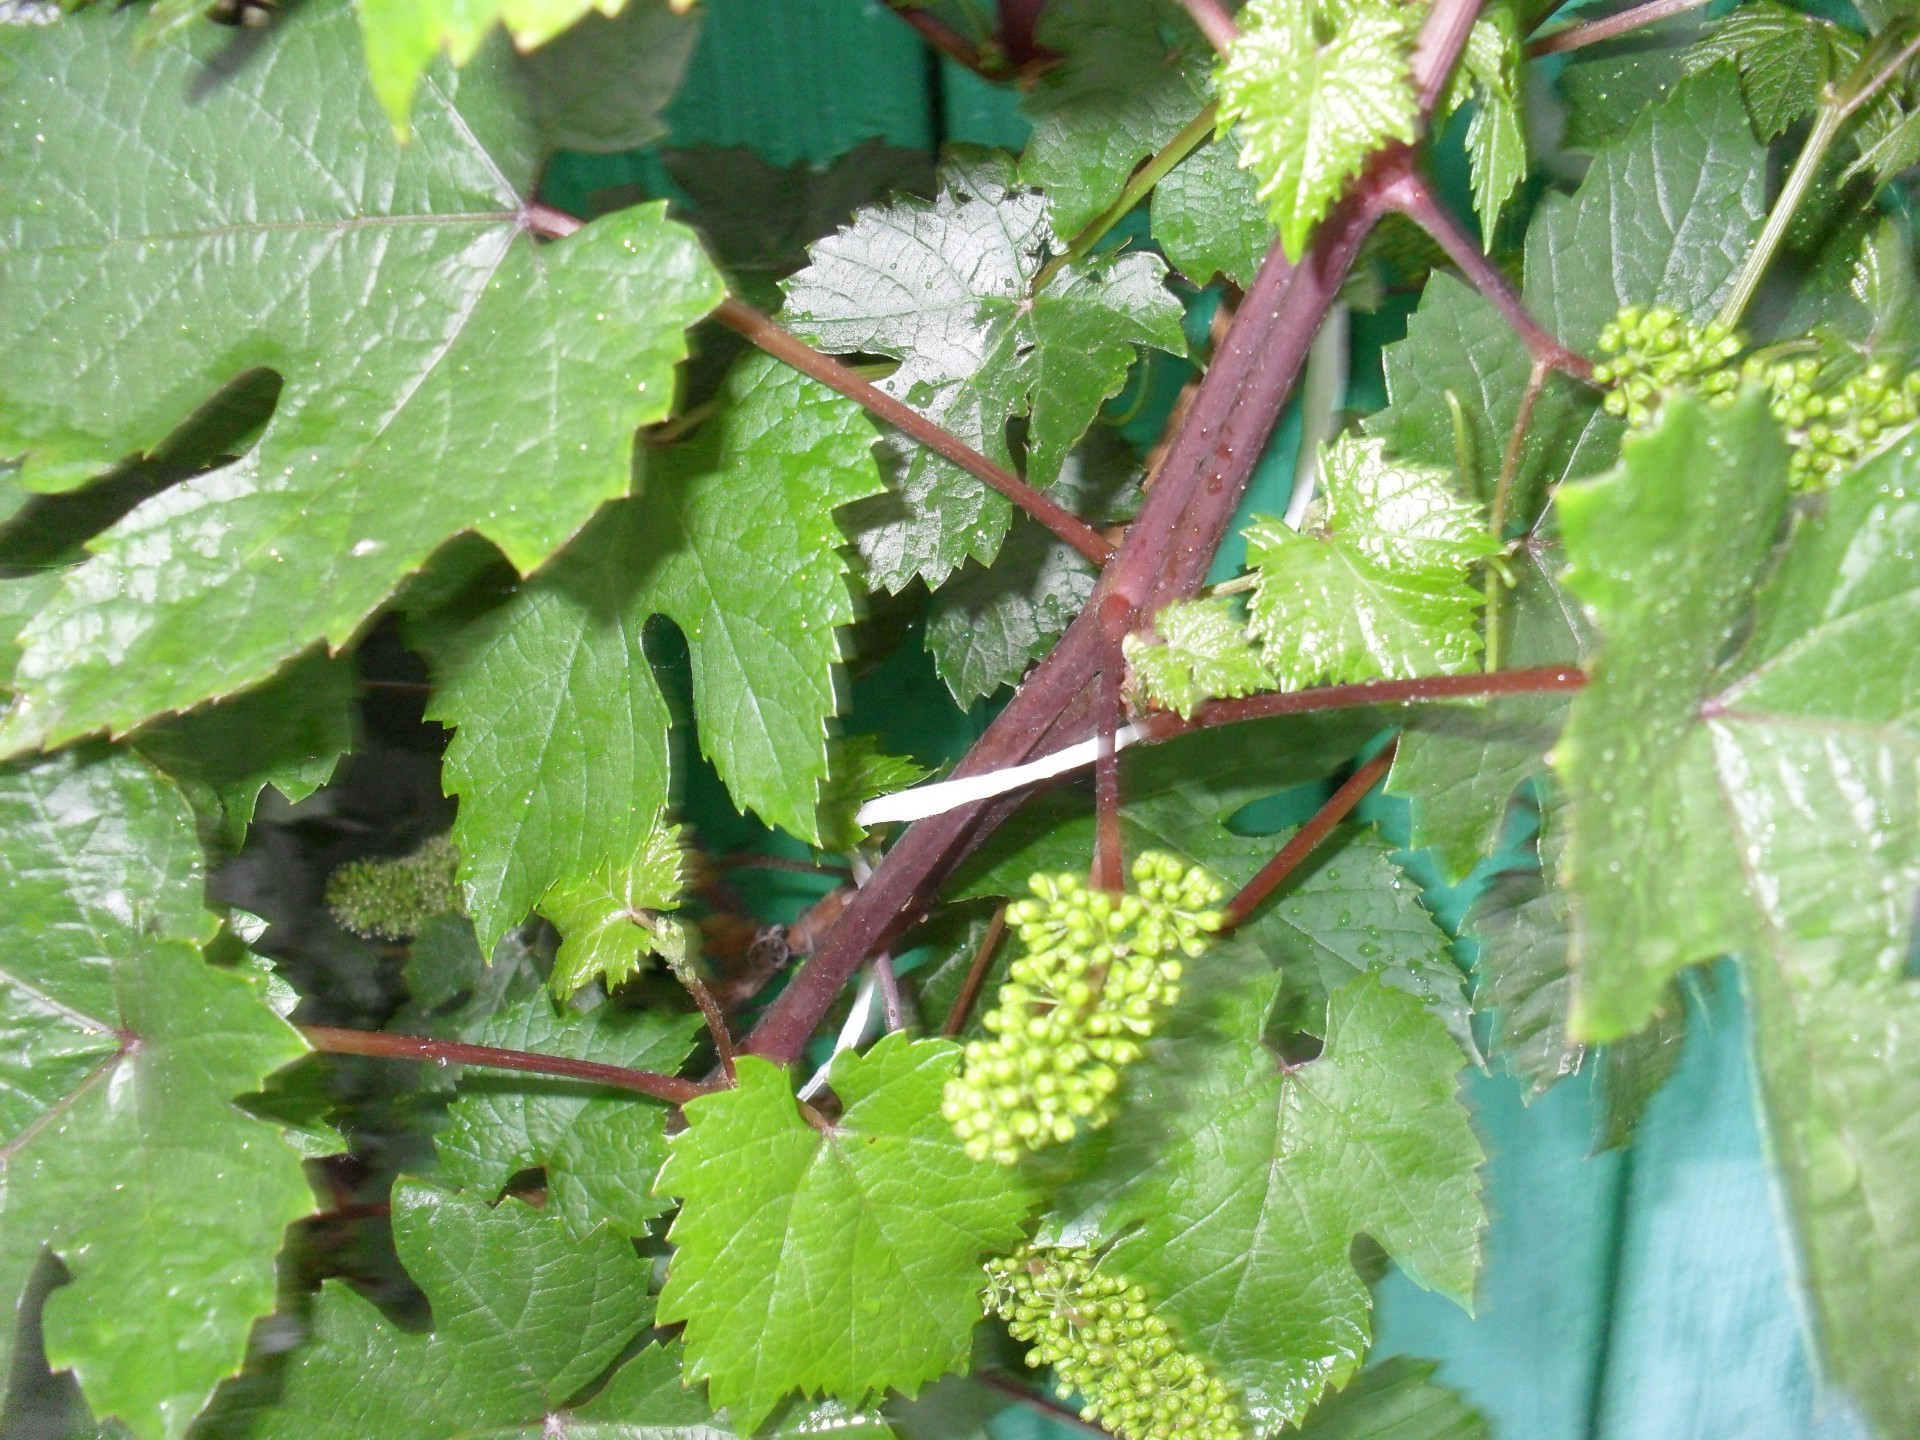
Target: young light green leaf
[
  {"x": 1315, "y": 87},
  {"x": 612, "y": 917},
  {"x": 443, "y": 373},
  {"x": 841, "y": 1258},
  {"x": 525, "y": 1316},
  {"x": 943, "y": 286},
  {"x": 560, "y": 752},
  {"x": 1376, "y": 582},
  {"x": 990, "y": 622},
  {"x": 1496, "y": 135},
  {"x": 599, "y": 1148},
  {"x": 1208, "y": 218},
  {"x": 1130, "y": 76},
  {"x": 123, "y": 1152},
  {"x": 858, "y": 770},
  {"x": 1199, "y": 651},
  {"x": 1261, "y": 1174}
]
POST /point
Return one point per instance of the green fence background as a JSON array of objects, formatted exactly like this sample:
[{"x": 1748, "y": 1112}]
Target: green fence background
[{"x": 1640, "y": 1294}]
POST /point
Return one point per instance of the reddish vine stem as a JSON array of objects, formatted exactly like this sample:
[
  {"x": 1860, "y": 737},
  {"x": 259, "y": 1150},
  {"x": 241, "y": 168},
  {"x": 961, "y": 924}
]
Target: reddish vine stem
[
  {"x": 1109, "y": 863},
  {"x": 749, "y": 323},
  {"x": 942, "y": 37},
  {"x": 1575, "y": 37},
  {"x": 1306, "y": 839},
  {"x": 379, "y": 1044},
  {"x": 1215, "y": 23},
  {"x": 963, "y": 1003},
  {"x": 1165, "y": 555},
  {"x": 1533, "y": 680},
  {"x": 1413, "y": 197},
  {"x": 710, "y": 1010},
  {"x": 1033, "y": 1399}
]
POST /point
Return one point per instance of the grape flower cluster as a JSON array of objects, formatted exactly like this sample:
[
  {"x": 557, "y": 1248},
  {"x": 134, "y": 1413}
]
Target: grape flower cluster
[
  {"x": 1107, "y": 1346},
  {"x": 1097, "y": 972},
  {"x": 1833, "y": 427},
  {"x": 1653, "y": 352},
  {"x": 1833, "y": 419},
  {"x": 392, "y": 899}
]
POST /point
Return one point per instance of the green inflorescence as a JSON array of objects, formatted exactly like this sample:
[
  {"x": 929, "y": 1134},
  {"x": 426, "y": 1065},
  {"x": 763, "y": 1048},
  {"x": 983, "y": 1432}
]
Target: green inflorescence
[
  {"x": 1653, "y": 352},
  {"x": 1834, "y": 415},
  {"x": 1097, "y": 973},
  {"x": 1106, "y": 1345},
  {"x": 392, "y": 899},
  {"x": 1834, "y": 426}
]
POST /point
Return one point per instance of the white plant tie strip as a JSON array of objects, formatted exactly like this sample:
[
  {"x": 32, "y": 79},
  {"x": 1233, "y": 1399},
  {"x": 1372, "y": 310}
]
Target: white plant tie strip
[{"x": 944, "y": 795}]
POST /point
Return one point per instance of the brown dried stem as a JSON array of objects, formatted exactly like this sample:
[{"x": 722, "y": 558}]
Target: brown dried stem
[{"x": 963, "y": 1003}]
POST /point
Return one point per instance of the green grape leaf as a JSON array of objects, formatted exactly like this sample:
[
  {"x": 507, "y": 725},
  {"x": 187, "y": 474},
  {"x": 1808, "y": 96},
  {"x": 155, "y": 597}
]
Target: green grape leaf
[
  {"x": 1315, "y": 88},
  {"x": 1261, "y": 1174},
  {"x": 1376, "y": 581},
  {"x": 1199, "y": 651},
  {"x": 1458, "y": 765},
  {"x": 525, "y": 1315},
  {"x": 123, "y": 1152},
  {"x": 1348, "y": 911},
  {"x": 1763, "y": 802},
  {"x": 560, "y": 748},
  {"x": 443, "y": 373},
  {"x": 455, "y": 988},
  {"x": 1207, "y": 215},
  {"x": 1396, "y": 1399},
  {"x": 1520, "y": 924},
  {"x": 1785, "y": 59},
  {"x": 943, "y": 287},
  {"x": 1665, "y": 216},
  {"x": 600, "y": 1148},
  {"x": 610, "y": 918},
  {"x": 644, "y": 49},
  {"x": 858, "y": 770},
  {"x": 990, "y": 622},
  {"x": 603, "y": 85},
  {"x": 845, "y": 1259},
  {"x": 288, "y": 733},
  {"x": 1129, "y": 79},
  {"x": 1839, "y": 1087},
  {"x": 1496, "y": 135}
]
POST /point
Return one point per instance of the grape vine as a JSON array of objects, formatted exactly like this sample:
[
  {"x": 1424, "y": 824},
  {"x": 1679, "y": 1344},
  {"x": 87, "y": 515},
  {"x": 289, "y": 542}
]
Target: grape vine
[{"x": 1022, "y": 742}]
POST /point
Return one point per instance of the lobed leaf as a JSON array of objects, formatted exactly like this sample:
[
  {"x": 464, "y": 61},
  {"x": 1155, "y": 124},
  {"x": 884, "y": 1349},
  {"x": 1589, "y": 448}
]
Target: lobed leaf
[
  {"x": 944, "y": 286},
  {"x": 560, "y": 748},
  {"x": 442, "y": 372},
  {"x": 599, "y": 1148},
  {"x": 1375, "y": 583},
  {"x": 842, "y": 1259},
  {"x": 123, "y": 1151},
  {"x": 1314, "y": 87}
]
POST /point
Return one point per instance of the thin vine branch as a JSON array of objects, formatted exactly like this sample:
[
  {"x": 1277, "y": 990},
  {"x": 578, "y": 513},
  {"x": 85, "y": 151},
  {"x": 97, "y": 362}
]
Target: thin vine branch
[
  {"x": 1138, "y": 186},
  {"x": 942, "y": 37},
  {"x": 1214, "y": 22},
  {"x": 381, "y": 1045},
  {"x": 1304, "y": 841},
  {"x": 711, "y": 1012},
  {"x": 749, "y": 323},
  {"x": 1577, "y": 37},
  {"x": 1414, "y": 198},
  {"x": 1165, "y": 555},
  {"x": 963, "y": 1003},
  {"x": 1532, "y": 680}
]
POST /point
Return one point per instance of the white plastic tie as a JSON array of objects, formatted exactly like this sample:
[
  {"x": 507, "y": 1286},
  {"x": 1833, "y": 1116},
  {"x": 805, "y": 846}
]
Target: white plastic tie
[{"x": 943, "y": 795}]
